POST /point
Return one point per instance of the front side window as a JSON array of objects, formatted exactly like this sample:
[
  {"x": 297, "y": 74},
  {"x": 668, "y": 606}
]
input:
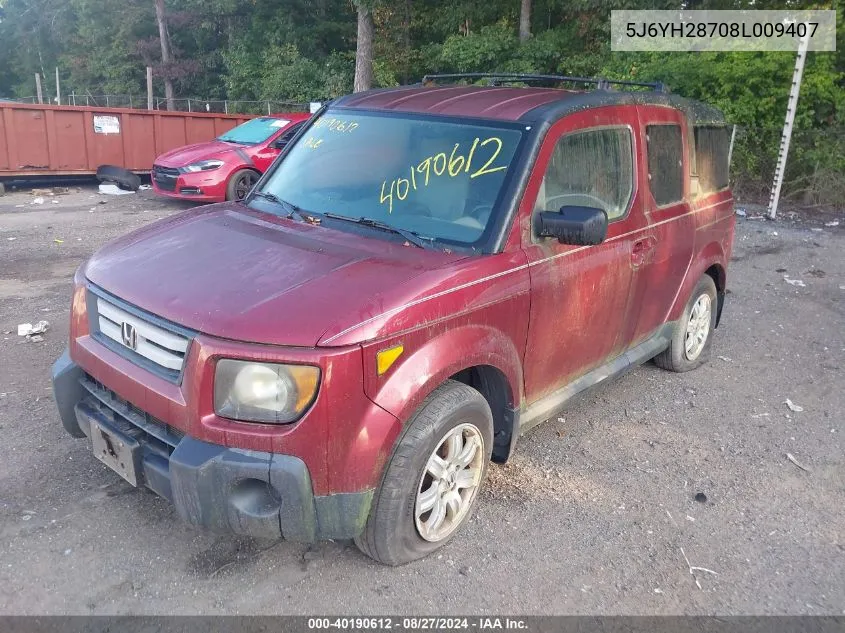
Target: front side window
[
  {"x": 712, "y": 145},
  {"x": 254, "y": 131},
  {"x": 665, "y": 166},
  {"x": 594, "y": 168},
  {"x": 436, "y": 178}
]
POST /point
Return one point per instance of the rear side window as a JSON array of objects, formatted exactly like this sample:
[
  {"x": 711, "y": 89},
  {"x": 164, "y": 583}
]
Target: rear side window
[
  {"x": 665, "y": 169},
  {"x": 711, "y": 157},
  {"x": 591, "y": 169}
]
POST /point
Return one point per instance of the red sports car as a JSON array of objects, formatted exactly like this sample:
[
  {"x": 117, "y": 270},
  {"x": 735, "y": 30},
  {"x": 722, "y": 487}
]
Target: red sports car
[{"x": 227, "y": 167}]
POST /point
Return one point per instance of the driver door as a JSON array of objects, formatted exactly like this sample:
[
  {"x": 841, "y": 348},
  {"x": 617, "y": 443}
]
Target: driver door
[{"x": 580, "y": 295}]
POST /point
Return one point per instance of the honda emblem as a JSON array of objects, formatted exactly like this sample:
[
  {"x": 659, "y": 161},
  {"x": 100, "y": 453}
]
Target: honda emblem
[{"x": 129, "y": 335}]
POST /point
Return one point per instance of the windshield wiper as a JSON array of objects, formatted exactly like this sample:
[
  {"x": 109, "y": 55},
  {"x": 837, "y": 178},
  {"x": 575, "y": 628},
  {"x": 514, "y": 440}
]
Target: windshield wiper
[
  {"x": 292, "y": 209},
  {"x": 412, "y": 237}
]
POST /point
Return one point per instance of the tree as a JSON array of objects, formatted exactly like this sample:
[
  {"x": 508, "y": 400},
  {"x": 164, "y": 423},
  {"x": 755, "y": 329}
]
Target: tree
[
  {"x": 525, "y": 20},
  {"x": 161, "y": 18},
  {"x": 364, "y": 48}
]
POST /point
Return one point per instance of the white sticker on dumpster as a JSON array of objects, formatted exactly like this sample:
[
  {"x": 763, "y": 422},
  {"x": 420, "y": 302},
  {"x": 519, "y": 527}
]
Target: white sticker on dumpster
[{"x": 106, "y": 124}]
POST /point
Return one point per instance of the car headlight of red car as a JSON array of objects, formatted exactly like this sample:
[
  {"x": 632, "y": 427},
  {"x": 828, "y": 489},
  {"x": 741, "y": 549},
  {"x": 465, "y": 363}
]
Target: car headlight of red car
[
  {"x": 263, "y": 392},
  {"x": 203, "y": 165}
]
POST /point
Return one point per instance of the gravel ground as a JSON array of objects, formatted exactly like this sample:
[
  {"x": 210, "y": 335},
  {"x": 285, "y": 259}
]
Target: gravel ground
[{"x": 596, "y": 514}]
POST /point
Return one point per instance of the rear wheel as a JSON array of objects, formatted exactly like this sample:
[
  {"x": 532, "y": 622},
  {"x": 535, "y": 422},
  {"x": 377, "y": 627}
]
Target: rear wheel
[
  {"x": 431, "y": 484},
  {"x": 693, "y": 333},
  {"x": 241, "y": 183}
]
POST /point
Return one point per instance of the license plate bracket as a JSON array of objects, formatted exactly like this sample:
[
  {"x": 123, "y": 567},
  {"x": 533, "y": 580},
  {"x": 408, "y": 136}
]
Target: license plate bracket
[{"x": 118, "y": 451}]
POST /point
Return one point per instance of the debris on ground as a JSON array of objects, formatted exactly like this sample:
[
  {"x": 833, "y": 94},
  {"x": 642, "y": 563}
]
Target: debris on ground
[
  {"x": 725, "y": 358},
  {"x": 33, "y": 332},
  {"x": 741, "y": 213},
  {"x": 38, "y": 200},
  {"x": 123, "y": 177},
  {"x": 113, "y": 190},
  {"x": 756, "y": 217},
  {"x": 52, "y": 191},
  {"x": 145, "y": 187},
  {"x": 833, "y": 223},
  {"x": 58, "y": 241},
  {"x": 794, "y": 282},
  {"x": 692, "y": 569},
  {"x": 792, "y": 406},
  {"x": 791, "y": 458},
  {"x": 701, "y": 497}
]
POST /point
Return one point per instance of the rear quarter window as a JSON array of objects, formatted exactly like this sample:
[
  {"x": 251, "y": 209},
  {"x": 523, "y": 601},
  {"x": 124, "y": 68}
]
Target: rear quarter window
[
  {"x": 665, "y": 163},
  {"x": 712, "y": 145}
]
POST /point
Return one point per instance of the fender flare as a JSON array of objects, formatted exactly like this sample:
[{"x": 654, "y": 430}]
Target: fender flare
[
  {"x": 712, "y": 255},
  {"x": 435, "y": 360}
]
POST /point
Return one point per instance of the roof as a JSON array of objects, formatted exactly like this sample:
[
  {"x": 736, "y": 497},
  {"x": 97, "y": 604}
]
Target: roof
[
  {"x": 503, "y": 103},
  {"x": 514, "y": 103}
]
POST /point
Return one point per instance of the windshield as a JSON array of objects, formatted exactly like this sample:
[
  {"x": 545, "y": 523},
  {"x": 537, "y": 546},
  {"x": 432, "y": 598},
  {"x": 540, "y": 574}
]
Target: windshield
[
  {"x": 438, "y": 179},
  {"x": 254, "y": 131}
]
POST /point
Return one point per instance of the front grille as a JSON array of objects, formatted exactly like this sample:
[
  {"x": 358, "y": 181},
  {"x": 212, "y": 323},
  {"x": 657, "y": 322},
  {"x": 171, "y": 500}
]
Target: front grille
[
  {"x": 157, "y": 436},
  {"x": 145, "y": 339},
  {"x": 165, "y": 177}
]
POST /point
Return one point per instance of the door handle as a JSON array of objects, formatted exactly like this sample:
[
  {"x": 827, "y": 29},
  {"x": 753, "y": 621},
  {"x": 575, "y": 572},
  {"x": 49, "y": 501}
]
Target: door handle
[{"x": 641, "y": 250}]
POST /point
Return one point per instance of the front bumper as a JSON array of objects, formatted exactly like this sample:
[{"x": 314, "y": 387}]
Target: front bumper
[
  {"x": 207, "y": 186},
  {"x": 253, "y": 493}
]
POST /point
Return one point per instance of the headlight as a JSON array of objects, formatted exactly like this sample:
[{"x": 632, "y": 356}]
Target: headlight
[
  {"x": 203, "y": 165},
  {"x": 263, "y": 392}
]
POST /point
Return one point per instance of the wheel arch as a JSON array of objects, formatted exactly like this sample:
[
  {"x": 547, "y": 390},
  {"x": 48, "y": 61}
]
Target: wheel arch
[
  {"x": 711, "y": 262},
  {"x": 481, "y": 357}
]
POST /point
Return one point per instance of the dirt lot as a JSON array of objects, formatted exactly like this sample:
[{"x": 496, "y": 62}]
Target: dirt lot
[{"x": 595, "y": 515}]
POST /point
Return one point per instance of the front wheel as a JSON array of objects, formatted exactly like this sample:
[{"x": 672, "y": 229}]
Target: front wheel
[
  {"x": 693, "y": 333},
  {"x": 241, "y": 183},
  {"x": 431, "y": 484}
]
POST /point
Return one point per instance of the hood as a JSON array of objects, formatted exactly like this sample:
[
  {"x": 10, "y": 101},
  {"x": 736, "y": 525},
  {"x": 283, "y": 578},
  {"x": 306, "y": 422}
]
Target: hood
[
  {"x": 231, "y": 272},
  {"x": 188, "y": 154}
]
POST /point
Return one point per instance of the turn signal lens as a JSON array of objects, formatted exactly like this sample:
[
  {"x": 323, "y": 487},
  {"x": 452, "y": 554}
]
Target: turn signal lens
[{"x": 386, "y": 357}]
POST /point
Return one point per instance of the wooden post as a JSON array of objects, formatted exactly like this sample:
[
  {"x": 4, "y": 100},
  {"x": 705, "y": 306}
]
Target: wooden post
[
  {"x": 58, "y": 88},
  {"x": 38, "y": 88},
  {"x": 149, "y": 88}
]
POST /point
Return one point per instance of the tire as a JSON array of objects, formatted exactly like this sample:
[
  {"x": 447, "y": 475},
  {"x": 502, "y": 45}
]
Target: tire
[
  {"x": 123, "y": 178},
  {"x": 393, "y": 533},
  {"x": 679, "y": 357},
  {"x": 240, "y": 184}
]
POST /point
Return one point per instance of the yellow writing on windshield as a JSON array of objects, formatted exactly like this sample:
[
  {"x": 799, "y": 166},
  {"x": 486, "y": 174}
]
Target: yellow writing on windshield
[
  {"x": 335, "y": 125},
  {"x": 452, "y": 165}
]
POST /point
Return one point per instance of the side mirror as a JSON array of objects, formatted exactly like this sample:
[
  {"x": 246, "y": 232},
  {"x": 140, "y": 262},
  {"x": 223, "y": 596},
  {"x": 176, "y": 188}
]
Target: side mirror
[{"x": 579, "y": 226}]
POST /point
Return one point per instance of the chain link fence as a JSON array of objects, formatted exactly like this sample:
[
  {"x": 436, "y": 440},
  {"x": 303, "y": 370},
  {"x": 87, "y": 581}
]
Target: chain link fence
[{"x": 219, "y": 106}]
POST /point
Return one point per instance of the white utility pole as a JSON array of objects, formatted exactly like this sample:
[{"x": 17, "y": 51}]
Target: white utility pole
[{"x": 787, "y": 127}]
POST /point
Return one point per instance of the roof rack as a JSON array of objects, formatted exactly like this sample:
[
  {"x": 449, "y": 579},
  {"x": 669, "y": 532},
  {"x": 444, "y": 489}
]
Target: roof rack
[{"x": 500, "y": 78}]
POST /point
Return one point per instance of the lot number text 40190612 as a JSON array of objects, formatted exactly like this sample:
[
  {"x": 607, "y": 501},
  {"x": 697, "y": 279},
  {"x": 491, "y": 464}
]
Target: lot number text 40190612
[{"x": 417, "y": 623}]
